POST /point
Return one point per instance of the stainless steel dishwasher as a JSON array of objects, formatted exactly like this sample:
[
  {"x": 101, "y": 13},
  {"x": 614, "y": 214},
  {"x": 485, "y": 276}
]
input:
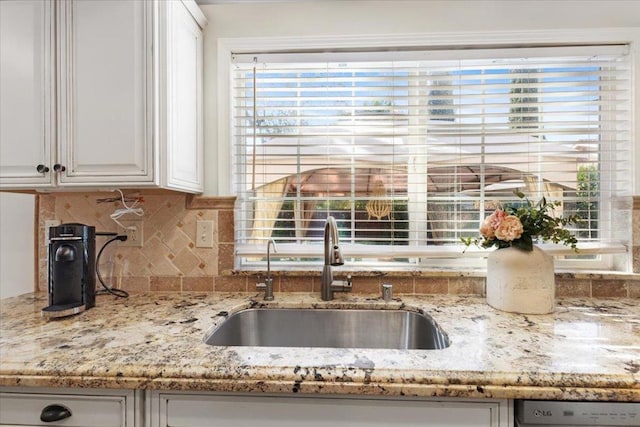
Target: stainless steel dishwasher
[{"x": 546, "y": 413}]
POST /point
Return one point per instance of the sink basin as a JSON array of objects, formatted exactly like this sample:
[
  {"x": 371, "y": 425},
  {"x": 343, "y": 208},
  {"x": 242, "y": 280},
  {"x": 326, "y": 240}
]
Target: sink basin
[{"x": 334, "y": 328}]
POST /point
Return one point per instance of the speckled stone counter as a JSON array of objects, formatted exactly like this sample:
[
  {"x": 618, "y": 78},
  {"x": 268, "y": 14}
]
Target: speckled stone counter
[{"x": 588, "y": 349}]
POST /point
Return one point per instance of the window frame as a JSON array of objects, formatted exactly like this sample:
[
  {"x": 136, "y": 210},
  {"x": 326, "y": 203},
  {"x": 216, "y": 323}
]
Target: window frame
[{"x": 481, "y": 40}]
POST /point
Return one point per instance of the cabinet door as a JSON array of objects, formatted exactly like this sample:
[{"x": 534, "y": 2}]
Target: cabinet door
[
  {"x": 181, "y": 109},
  {"x": 273, "y": 411},
  {"x": 26, "y": 90},
  {"x": 105, "y": 97}
]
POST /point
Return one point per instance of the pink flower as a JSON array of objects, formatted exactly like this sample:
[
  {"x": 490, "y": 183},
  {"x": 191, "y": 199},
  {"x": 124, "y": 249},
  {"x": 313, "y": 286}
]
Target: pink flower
[
  {"x": 509, "y": 229},
  {"x": 491, "y": 223}
]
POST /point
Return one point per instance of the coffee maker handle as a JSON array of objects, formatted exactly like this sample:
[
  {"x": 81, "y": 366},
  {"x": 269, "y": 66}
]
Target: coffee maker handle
[{"x": 65, "y": 253}]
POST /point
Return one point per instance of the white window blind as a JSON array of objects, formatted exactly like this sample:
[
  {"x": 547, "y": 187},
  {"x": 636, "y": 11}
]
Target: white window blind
[{"x": 410, "y": 150}]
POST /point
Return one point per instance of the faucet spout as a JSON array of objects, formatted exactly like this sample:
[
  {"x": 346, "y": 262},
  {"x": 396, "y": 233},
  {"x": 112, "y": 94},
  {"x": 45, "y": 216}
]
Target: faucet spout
[
  {"x": 267, "y": 285},
  {"x": 332, "y": 253},
  {"x": 270, "y": 243},
  {"x": 332, "y": 257}
]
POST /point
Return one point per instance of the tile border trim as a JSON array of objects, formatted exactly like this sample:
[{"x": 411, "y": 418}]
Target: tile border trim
[{"x": 216, "y": 203}]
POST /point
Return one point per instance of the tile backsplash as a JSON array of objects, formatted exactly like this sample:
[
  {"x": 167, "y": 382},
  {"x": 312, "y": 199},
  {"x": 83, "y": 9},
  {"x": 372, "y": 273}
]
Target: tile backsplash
[
  {"x": 168, "y": 256},
  {"x": 170, "y": 261}
]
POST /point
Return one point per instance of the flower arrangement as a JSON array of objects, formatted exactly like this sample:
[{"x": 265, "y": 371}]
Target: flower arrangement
[{"x": 520, "y": 226}]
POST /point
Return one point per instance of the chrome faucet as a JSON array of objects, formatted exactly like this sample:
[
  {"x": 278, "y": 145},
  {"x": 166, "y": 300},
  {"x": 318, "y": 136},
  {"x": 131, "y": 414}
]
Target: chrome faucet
[
  {"x": 332, "y": 257},
  {"x": 267, "y": 285}
]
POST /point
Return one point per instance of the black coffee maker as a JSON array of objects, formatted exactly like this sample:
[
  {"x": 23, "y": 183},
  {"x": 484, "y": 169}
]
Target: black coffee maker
[{"x": 72, "y": 270}]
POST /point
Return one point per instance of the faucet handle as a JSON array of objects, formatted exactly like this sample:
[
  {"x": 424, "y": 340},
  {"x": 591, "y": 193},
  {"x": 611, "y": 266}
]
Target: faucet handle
[
  {"x": 342, "y": 285},
  {"x": 387, "y": 292},
  {"x": 261, "y": 285},
  {"x": 267, "y": 288}
]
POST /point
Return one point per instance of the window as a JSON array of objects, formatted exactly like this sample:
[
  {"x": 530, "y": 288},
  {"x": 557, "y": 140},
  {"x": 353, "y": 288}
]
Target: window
[{"x": 410, "y": 150}]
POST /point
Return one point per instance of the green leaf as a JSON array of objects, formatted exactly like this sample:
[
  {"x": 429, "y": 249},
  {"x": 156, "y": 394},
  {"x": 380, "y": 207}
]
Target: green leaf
[{"x": 525, "y": 243}]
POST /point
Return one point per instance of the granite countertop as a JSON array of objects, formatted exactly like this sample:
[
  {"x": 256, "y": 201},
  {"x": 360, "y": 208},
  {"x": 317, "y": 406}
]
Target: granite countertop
[{"x": 588, "y": 349}]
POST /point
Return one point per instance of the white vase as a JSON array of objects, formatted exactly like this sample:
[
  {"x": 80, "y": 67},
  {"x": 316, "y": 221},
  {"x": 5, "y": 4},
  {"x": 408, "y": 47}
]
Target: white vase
[{"x": 521, "y": 281}]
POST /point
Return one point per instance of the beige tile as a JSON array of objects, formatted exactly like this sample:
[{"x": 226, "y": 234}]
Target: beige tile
[
  {"x": 576, "y": 288},
  {"x": 197, "y": 284},
  {"x": 132, "y": 262},
  {"x": 466, "y": 286},
  {"x": 230, "y": 284},
  {"x": 153, "y": 203},
  {"x": 635, "y": 221},
  {"x": 225, "y": 257},
  {"x": 134, "y": 284},
  {"x": 154, "y": 249},
  {"x": 187, "y": 224},
  {"x": 175, "y": 239},
  {"x": 634, "y": 289},
  {"x": 361, "y": 285},
  {"x": 43, "y": 275},
  {"x": 166, "y": 210},
  {"x": 171, "y": 234},
  {"x": 84, "y": 208},
  {"x": 636, "y": 259},
  {"x": 208, "y": 257},
  {"x": 296, "y": 284},
  {"x": 225, "y": 227},
  {"x": 164, "y": 267},
  {"x": 186, "y": 262},
  {"x": 47, "y": 205},
  {"x": 160, "y": 258},
  {"x": 165, "y": 284},
  {"x": 608, "y": 288},
  {"x": 431, "y": 285},
  {"x": 401, "y": 285}
]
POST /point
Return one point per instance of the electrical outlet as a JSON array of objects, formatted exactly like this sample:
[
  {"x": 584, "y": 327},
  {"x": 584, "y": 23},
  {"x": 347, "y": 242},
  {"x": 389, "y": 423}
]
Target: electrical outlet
[
  {"x": 133, "y": 230},
  {"x": 48, "y": 224},
  {"x": 204, "y": 234}
]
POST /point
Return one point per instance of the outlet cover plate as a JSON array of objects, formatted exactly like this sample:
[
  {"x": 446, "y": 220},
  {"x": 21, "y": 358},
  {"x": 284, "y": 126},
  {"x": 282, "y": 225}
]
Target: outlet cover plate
[
  {"x": 134, "y": 231},
  {"x": 204, "y": 234}
]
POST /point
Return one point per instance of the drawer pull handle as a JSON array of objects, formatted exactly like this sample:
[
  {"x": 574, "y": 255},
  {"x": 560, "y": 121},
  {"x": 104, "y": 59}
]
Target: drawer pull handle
[{"x": 53, "y": 413}]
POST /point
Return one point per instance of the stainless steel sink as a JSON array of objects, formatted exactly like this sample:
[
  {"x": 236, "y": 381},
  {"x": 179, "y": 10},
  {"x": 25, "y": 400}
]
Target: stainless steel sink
[{"x": 334, "y": 328}]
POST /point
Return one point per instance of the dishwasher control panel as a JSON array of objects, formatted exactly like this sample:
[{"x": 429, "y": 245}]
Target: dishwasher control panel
[{"x": 530, "y": 413}]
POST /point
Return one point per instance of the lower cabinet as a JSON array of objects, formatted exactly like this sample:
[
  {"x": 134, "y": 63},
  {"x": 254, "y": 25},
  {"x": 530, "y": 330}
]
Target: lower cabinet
[
  {"x": 77, "y": 407},
  {"x": 25, "y": 406},
  {"x": 239, "y": 410}
]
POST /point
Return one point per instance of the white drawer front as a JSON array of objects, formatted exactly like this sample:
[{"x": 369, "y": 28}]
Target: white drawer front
[
  {"x": 24, "y": 409},
  {"x": 242, "y": 411}
]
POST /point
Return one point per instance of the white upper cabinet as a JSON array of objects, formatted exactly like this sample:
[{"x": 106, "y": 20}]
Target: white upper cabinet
[
  {"x": 128, "y": 98},
  {"x": 26, "y": 92},
  {"x": 105, "y": 92},
  {"x": 181, "y": 109}
]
